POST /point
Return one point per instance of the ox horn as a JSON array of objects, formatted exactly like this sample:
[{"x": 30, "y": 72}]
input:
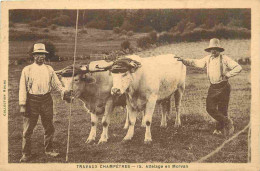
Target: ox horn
[{"x": 59, "y": 72}]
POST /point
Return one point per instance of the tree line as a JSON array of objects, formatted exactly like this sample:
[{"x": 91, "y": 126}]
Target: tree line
[{"x": 138, "y": 20}]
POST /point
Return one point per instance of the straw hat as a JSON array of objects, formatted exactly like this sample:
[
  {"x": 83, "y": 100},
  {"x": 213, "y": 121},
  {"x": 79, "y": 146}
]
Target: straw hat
[
  {"x": 39, "y": 48},
  {"x": 214, "y": 44}
]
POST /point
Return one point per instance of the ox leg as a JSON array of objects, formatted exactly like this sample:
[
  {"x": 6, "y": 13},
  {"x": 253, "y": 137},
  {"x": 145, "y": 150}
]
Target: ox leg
[
  {"x": 132, "y": 119},
  {"x": 127, "y": 119},
  {"x": 93, "y": 131},
  {"x": 106, "y": 121},
  {"x": 178, "y": 96},
  {"x": 143, "y": 121},
  {"x": 149, "y": 109},
  {"x": 166, "y": 106}
]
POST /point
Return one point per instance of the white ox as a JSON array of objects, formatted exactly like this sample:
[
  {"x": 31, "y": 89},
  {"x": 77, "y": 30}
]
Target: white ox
[
  {"x": 145, "y": 81},
  {"x": 93, "y": 89}
]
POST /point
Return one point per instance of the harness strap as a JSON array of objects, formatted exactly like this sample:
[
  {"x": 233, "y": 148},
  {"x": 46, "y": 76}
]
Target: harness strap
[{"x": 220, "y": 65}]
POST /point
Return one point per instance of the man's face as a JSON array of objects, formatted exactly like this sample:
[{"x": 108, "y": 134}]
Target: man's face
[
  {"x": 214, "y": 52},
  {"x": 39, "y": 58}
]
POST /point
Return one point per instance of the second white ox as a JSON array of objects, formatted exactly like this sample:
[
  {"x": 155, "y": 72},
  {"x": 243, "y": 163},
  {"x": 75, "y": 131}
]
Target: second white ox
[{"x": 145, "y": 81}]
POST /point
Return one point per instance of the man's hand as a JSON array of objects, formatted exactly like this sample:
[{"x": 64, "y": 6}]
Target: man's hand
[
  {"x": 23, "y": 111},
  {"x": 225, "y": 78},
  {"x": 178, "y": 58},
  {"x": 68, "y": 96}
]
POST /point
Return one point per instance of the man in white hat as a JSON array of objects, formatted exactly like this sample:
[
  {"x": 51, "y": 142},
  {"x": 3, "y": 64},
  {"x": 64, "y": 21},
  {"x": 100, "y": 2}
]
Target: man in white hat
[
  {"x": 36, "y": 82},
  {"x": 219, "y": 69}
]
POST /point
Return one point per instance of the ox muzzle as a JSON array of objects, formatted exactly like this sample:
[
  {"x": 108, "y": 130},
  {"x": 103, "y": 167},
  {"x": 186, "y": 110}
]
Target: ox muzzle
[{"x": 116, "y": 91}]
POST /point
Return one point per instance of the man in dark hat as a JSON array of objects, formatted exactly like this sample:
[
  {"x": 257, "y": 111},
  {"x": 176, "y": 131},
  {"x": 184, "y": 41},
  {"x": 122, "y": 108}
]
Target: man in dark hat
[
  {"x": 36, "y": 82},
  {"x": 219, "y": 69}
]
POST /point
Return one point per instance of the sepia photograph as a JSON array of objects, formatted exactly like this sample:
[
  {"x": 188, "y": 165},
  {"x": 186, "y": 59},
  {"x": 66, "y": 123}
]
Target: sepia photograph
[{"x": 130, "y": 88}]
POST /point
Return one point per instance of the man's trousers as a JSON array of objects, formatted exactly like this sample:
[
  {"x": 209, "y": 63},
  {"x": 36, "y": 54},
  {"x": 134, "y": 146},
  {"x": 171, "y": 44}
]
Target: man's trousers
[
  {"x": 38, "y": 105},
  {"x": 217, "y": 103}
]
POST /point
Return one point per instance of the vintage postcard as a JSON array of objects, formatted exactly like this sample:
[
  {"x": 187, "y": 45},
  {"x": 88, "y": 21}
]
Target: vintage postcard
[{"x": 130, "y": 85}]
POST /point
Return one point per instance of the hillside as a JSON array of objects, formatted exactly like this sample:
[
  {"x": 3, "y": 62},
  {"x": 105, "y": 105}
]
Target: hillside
[
  {"x": 95, "y": 41},
  {"x": 89, "y": 42}
]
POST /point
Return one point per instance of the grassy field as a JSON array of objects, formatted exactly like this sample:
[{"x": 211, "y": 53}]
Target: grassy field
[
  {"x": 94, "y": 41},
  {"x": 187, "y": 144}
]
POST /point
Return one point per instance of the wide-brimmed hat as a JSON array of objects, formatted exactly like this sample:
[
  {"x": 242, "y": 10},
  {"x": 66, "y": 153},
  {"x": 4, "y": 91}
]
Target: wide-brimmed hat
[
  {"x": 39, "y": 48},
  {"x": 214, "y": 44}
]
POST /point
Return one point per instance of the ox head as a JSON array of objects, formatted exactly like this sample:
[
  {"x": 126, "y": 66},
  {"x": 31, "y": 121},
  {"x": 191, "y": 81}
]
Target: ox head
[
  {"x": 81, "y": 77},
  {"x": 122, "y": 73}
]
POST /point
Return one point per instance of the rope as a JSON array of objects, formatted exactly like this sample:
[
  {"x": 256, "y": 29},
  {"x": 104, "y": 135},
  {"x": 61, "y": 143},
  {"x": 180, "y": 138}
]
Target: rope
[
  {"x": 220, "y": 147},
  {"x": 83, "y": 19},
  {"x": 249, "y": 145},
  {"x": 74, "y": 61}
]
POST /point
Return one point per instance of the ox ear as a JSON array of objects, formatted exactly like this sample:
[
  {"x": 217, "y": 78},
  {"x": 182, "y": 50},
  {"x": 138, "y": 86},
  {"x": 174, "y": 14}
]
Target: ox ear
[{"x": 88, "y": 79}]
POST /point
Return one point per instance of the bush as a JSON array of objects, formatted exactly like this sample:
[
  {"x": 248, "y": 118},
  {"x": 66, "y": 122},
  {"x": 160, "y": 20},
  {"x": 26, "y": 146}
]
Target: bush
[
  {"x": 166, "y": 37},
  {"x": 127, "y": 26},
  {"x": 46, "y": 30},
  {"x": 153, "y": 36},
  {"x": 98, "y": 24},
  {"x": 235, "y": 23},
  {"x": 146, "y": 29},
  {"x": 193, "y": 36},
  {"x": 83, "y": 31},
  {"x": 116, "y": 30},
  {"x": 65, "y": 32},
  {"x": 44, "y": 19},
  {"x": 130, "y": 33},
  {"x": 43, "y": 22},
  {"x": 189, "y": 27},
  {"x": 244, "y": 61},
  {"x": 33, "y": 29},
  {"x": 225, "y": 32},
  {"x": 180, "y": 26},
  {"x": 219, "y": 31},
  {"x": 200, "y": 33},
  {"x": 53, "y": 27},
  {"x": 144, "y": 42},
  {"x": 62, "y": 20},
  {"x": 123, "y": 32},
  {"x": 125, "y": 45},
  {"x": 202, "y": 26}
]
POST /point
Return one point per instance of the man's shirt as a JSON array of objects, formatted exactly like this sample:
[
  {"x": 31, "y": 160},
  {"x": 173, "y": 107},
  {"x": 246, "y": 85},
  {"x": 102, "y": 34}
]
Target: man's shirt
[
  {"x": 217, "y": 67},
  {"x": 38, "y": 80}
]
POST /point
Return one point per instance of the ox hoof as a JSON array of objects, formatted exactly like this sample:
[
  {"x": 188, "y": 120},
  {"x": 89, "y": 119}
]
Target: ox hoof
[
  {"x": 177, "y": 125},
  {"x": 126, "y": 141},
  {"x": 102, "y": 142},
  {"x": 163, "y": 125},
  {"x": 148, "y": 142},
  {"x": 90, "y": 142}
]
